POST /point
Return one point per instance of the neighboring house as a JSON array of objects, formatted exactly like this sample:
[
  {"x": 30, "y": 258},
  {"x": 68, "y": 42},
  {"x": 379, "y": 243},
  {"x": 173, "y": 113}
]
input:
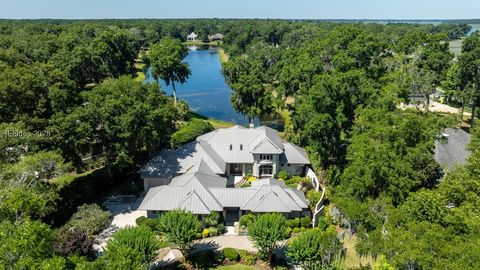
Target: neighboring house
[
  {"x": 216, "y": 37},
  {"x": 451, "y": 148},
  {"x": 194, "y": 176},
  {"x": 192, "y": 37}
]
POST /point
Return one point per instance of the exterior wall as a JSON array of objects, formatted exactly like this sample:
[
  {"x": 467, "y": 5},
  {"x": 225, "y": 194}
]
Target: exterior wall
[
  {"x": 154, "y": 182},
  {"x": 294, "y": 169},
  {"x": 246, "y": 169},
  {"x": 274, "y": 162},
  {"x": 153, "y": 214}
]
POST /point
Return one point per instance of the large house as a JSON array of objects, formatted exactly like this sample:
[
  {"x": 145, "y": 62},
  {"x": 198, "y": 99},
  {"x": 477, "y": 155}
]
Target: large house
[{"x": 199, "y": 176}]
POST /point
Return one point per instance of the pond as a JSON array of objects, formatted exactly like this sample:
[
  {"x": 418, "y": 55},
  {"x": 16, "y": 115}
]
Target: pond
[{"x": 206, "y": 90}]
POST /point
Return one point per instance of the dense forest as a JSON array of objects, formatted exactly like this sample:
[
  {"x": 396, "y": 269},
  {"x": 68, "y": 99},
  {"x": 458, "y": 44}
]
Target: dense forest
[{"x": 73, "y": 118}]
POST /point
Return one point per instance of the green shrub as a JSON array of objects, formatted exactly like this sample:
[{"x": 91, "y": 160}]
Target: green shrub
[
  {"x": 296, "y": 230},
  {"x": 151, "y": 223},
  {"x": 90, "y": 218},
  {"x": 212, "y": 220},
  {"x": 231, "y": 254},
  {"x": 135, "y": 246},
  {"x": 190, "y": 132},
  {"x": 181, "y": 228},
  {"x": 141, "y": 220},
  {"x": 302, "y": 229},
  {"x": 305, "y": 221},
  {"x": 293, "y": 223},
  {"x": 212, "y": 231},
  {"x": 313, "y": 198},
  {"x": 247, "y": 219},
  {"x": 322, "y": 223},
  {"x": 221, "y": 228},
  {"x": 247, "y": 258},
  {"x": 295, "y": 180},
  {"x": 283, "y": 175},
  {"x": 205, "y": 259}
]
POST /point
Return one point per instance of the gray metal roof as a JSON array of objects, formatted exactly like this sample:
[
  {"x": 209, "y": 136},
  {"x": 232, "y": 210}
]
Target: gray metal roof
[
  {"x": 451, "y": 150},
  {"x": 194, "y": 192},
  {"x": 230, "y": 145},
  {"x": 271, "y": 199},
  {"x": 294, "y": 154},
  {"x": 232, "y": 197},
  {"x": 172, "y": 162}
]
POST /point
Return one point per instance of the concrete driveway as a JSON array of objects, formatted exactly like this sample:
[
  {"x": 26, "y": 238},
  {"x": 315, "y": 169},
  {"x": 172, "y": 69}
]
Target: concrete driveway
[
  {"x": 221, "y": 242},
  {"x": 124, "y": 211}
]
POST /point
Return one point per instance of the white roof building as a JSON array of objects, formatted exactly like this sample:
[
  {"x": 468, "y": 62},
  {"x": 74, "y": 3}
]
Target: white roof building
[{"x": 192, "y": 36}]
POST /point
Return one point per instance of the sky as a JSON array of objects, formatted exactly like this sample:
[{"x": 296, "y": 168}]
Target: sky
[{"x": 283, "y": 9}]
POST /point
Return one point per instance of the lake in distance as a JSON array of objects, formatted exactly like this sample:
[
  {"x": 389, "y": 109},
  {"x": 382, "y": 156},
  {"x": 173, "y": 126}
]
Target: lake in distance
[{"x": 206, "y": 90}]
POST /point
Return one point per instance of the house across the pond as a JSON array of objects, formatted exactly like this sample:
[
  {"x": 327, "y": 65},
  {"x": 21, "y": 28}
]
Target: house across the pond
[
  {"x": 192, "y": 37},
  {"x": 216, "y": 37},
  {"x": 200, "y": 176}
]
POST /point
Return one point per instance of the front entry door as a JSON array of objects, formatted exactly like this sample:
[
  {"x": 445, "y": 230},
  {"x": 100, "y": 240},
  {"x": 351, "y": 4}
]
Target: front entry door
[{"x": 232, "y": 216}]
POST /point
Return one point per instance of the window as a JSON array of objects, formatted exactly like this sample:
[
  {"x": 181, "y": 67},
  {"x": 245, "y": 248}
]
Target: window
[
  {"x": 241, "y": 147},
  {"x": 266, "y": 157},
  {"x": 266, "y": 169},
  {"x": 231, "y": 147},
  {"x": 236, "y": 169}
]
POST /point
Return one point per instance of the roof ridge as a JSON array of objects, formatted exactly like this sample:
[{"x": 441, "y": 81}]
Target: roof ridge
[
  {"x": 190, "y": 194},
  {"x": 249, "y": 199},
  {"x": 291, "y": 197},
  {"x": 210, "y": 193},
  {"x": 266, "y": 195}
]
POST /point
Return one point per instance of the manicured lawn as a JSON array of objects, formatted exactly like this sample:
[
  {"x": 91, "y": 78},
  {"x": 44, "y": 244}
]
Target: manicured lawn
[
  {"x": 223, "y": 56},
  {"x": 215, "y": 123},
  {"x": 200, "y": 43},
  {"x": 219, "y": 123},
  {"x": 235, "y": 267},
  {"x": 140, "y": 74},
  {"x": 60, "y": 182}
]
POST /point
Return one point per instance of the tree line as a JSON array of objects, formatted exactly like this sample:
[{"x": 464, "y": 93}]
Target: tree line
[
  {"x": 340, "y": 86},
  {"x": 68, "y": 103}
]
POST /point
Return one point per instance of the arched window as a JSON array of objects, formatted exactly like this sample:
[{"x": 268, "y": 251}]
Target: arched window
[{"x": 266, "y": 170}]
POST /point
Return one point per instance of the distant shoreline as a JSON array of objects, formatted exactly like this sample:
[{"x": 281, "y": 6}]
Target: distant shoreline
[{"x": 428, "y": 21}]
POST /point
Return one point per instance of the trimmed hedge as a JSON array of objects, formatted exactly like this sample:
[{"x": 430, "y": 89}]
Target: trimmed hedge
[
  {"x": 190, "y": 132},
  {"x": 231, "y": 254},
  {"x": 151, "y": 223}
]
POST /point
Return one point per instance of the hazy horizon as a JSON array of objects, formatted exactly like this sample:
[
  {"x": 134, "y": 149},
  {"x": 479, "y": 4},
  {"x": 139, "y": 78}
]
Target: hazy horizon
[{"x": 406, "y": 10}]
